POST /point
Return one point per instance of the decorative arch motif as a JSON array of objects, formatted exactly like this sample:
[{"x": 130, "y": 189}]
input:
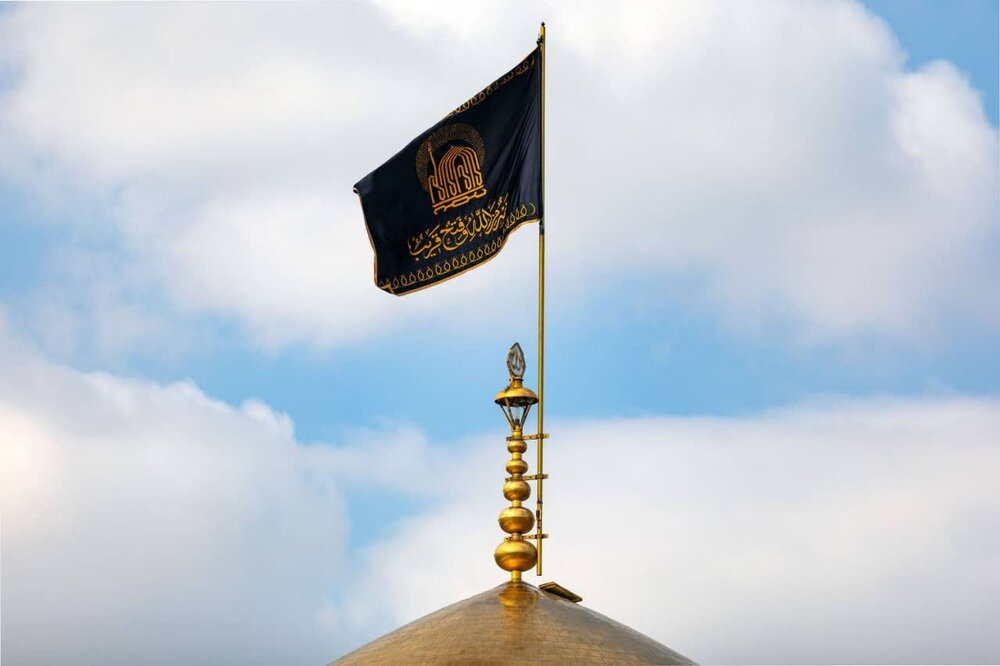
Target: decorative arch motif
[{"x": 457, "y": 178}]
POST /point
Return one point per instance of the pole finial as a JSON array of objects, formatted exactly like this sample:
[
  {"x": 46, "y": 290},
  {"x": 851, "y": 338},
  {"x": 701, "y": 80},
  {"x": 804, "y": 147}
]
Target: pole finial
[{"x": 515, "y": 362}]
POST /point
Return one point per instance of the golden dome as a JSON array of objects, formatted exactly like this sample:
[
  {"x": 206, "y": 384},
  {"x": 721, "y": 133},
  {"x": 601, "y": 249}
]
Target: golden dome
[{"x": 515, "y": 622}]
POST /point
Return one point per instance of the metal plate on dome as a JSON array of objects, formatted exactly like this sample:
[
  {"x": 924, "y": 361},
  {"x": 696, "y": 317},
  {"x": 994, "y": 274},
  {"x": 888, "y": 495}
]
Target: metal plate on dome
[{"x": 558, "y": 590}]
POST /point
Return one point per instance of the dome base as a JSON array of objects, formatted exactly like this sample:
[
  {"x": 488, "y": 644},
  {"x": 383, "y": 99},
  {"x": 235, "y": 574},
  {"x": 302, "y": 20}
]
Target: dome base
[{"x": 510, "y": 623}]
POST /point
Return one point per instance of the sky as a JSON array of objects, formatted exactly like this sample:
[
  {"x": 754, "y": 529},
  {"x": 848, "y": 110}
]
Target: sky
[{"x": 773, "y": 331}]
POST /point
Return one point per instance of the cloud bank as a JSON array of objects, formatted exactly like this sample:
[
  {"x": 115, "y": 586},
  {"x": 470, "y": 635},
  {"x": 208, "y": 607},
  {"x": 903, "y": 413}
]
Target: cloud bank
[
  {"x": 764, "y": 163},
  {"x": 148, "y": 523},
  {"x": 151, "y": 524}
]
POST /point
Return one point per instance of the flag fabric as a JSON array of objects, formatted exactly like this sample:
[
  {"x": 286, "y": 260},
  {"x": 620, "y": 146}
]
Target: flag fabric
[{"x": 447, "y": 202}]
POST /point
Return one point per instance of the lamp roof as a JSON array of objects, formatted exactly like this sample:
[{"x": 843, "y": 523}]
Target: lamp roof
[{"x": 516, "y": 395}]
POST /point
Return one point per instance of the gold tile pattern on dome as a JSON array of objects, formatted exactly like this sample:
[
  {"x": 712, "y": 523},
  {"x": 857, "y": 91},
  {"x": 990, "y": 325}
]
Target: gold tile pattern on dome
[{"x": 515, "y": 622}]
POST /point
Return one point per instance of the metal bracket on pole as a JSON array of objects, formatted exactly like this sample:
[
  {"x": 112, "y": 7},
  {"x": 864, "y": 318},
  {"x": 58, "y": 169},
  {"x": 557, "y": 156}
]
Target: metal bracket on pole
[{"x": 526, "y": 437}]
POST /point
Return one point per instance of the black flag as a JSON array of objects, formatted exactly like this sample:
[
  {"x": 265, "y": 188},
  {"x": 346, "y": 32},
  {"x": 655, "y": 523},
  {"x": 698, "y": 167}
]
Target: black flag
[{"x": 449, "y": 200}]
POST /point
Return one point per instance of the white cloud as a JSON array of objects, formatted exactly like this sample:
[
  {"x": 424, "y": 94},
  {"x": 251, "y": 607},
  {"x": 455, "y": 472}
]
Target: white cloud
[
  {"x": 148, "y": 523},
  {"x": 779, "y": 156}
]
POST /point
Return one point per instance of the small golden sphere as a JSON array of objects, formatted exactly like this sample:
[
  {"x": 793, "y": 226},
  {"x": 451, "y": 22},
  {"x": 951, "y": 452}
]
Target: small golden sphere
[
  {"x": 516, "y": 490},
  {"x": 515, "y": 555},
  {"x": 516, "y": 519},
  {"x": 517, "y": 466},
  {"x": 516, "y": 446}
]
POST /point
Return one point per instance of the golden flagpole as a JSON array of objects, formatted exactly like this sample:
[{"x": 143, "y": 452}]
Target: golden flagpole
[{"x": 539, "y": 536}]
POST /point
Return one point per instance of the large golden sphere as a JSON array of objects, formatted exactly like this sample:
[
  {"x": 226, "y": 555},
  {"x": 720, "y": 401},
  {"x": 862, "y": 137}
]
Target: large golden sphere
[
  {"x": 515, "y": 555},
  {"x": 516, "y": 490},
  {"x": 516, "y": 519}
]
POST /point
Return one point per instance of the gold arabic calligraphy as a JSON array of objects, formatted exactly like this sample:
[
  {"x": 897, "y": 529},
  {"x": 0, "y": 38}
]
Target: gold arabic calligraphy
[
  {"x": 453, "y": 234},
  {"x": 505, "y": 223}
]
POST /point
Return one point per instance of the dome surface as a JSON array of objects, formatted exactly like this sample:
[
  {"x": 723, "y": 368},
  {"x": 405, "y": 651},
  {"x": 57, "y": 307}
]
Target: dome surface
[{"x": 514, "y": 622}]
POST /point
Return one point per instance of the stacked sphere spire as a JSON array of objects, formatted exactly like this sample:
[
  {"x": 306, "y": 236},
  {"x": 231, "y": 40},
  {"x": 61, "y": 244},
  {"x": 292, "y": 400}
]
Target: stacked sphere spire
[{"x": 516, "y": 554}]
